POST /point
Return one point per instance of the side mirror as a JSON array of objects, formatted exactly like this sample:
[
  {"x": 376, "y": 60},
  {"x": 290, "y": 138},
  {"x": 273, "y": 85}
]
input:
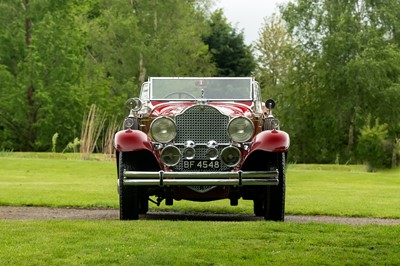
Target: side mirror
[{"x": 270, "y": 104}]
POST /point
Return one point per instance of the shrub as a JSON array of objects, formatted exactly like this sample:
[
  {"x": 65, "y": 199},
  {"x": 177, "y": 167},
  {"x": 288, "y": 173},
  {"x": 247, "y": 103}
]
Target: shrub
[{"x": 374, "y": 148}]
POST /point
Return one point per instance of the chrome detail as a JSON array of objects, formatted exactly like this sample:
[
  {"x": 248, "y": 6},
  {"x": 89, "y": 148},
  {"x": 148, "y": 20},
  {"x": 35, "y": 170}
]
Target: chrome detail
[
  {"x": 240, "y": 129},
  {"x": 202, "y": 126},
  {"x": 271, "y": 123},
  {"x": 134, "y": 104},
  {"x": 157, "y": 146},
  {"x": 190, "y": 144},
  {"x": 128, "y": 122},
  {"x": 212, "y": 154},
  {"x": 163, "y": 129},
  {"x": 170, "y": 155},
  {"x": 238, "y": 178},
  {"x": 212, "y": 144},
  {"x": 201, "y": 123},
  {"x": 201, "y": 189},
  {"x": 230, "y": 156},
  {"x": 188, "y": 153}
]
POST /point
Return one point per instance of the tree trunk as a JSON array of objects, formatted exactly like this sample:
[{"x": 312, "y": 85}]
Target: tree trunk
[
  {"x": 351, "y": 130},
  {"x": 396, "y": 149}
]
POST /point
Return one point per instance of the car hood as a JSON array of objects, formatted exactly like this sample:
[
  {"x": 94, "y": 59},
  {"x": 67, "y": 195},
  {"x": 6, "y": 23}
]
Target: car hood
[{"x": 231, "y": 109}]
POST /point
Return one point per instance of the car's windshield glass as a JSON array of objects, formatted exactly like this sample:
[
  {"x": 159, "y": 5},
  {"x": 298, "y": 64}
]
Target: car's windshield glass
[{"x": 198, "y": 88}]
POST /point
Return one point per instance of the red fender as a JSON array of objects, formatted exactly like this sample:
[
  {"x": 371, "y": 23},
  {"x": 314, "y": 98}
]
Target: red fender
[
  {"x": 132, "y": 140},
  {"x": 271, "y": 141}
]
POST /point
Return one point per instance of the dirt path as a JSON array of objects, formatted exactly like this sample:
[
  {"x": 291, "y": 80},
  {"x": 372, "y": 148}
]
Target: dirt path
[{"x": 44, "y": 213}]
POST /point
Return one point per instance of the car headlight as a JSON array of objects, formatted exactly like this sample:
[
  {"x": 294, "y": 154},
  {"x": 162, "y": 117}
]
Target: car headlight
[
  {"x": 231, "y": 156},
  {"x": 170, "y": 155},
  {"x": 240, "y": 129},
  {"x": 129, "y": 122},
  {"x": 271, "y": 123},
  {"x": 163, "y": 129},
  {"x": 134, "y": 104}
]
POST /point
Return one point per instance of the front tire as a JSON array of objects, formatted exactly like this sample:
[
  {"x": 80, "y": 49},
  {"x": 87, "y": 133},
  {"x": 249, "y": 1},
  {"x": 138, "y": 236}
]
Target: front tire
[
  {"x": 129, "y": 200},
  {"x": 274, "y": 203},
  {"x": 259, "y": 209}
]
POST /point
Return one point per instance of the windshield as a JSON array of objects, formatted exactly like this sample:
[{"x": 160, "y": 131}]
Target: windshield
[{"x": 200, "y": 88}]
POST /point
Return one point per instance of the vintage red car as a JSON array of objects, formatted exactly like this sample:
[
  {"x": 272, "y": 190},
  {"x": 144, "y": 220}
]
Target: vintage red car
[{"x": 201, "y": 139}]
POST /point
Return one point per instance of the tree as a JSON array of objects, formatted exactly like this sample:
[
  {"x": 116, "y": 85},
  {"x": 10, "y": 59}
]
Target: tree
[
  {"x": 136, "y": 39},
  {"x": 372, "y": 147},
  {"x": 229, "y": 53},
  {"x": 275, "y": 55},
  {"x": 354, "y": 53},
  {"x": 57, "y": 58}
]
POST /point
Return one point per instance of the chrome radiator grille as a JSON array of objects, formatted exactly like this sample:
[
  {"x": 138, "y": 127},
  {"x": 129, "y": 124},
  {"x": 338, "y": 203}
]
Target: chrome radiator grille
[{"x": 201, "y": 123}]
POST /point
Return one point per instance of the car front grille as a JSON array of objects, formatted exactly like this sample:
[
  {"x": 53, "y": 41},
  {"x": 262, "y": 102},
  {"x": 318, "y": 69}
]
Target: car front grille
[{"x": 200, "y": 124}]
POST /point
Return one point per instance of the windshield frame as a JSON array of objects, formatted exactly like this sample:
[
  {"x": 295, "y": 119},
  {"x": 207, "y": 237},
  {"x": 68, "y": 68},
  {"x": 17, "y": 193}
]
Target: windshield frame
[{"x": 202, "y": 87}]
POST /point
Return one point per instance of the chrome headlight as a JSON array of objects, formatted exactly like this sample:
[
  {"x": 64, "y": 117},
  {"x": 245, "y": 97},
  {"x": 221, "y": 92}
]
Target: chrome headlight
[
  {"x": 231, "y": 156},
  {"x": 275, "y": 124},
  {"x": 240, "y": 129},
  {"x": 163, "y": 129},
  {"x": 170, "y": 155},
  {"x": 189, "y": 152},
  {"x": 129, "y": 122},
  {"x": 134, "y": 104},
  {"x": 271, "y": 123}
]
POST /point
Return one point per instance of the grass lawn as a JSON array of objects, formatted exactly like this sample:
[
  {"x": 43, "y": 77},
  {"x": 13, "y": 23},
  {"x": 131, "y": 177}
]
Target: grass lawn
[
  {"x": 195, "y": 243},
  {"x": 64, "y": 180}
]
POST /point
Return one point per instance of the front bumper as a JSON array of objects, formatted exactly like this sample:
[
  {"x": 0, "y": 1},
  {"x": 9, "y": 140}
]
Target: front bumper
[{"x": 239, "y": 178}]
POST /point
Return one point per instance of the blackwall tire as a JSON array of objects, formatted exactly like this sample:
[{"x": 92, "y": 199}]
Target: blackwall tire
[
  {"x": 258, "y": 207},
  {"x": 128, "y": 195},
  {"x": 275, "y": 198}
]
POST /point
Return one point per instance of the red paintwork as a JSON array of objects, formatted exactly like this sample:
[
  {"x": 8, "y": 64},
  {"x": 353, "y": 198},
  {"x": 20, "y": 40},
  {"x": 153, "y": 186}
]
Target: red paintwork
[
  {"x": 271, "y": 141},
  {"x": 173, "y": 108},
  {"x": 132, "y": 140}
]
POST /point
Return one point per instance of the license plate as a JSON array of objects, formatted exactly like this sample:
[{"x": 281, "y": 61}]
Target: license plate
[{"x": 201, "y": 165}]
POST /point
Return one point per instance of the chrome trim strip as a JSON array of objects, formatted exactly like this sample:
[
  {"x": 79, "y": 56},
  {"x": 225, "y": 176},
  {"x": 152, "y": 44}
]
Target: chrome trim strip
[{"x": 239, "y": 178}]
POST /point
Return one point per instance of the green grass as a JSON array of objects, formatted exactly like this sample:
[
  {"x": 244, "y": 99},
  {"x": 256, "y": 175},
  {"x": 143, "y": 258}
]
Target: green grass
[
  {"x": 57, "y": 182},
  {"x": 343, "y": 191},
  {"x": 64, "y": 180},
  {"x": 47, "y": 179},
  {"x": 195, "y": 243}
]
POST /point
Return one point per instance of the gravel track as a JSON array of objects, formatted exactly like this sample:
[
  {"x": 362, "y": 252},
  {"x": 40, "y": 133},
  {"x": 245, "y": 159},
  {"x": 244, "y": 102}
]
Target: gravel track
[{"x": 45, "y": 213}]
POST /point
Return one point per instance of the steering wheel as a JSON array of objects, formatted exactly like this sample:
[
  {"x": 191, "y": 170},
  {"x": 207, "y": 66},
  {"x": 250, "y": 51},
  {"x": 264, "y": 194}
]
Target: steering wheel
[{"x": 179, "y": 95}]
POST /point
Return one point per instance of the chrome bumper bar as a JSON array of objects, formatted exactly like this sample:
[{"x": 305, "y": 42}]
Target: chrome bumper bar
[{"x": 239, "y": 178}]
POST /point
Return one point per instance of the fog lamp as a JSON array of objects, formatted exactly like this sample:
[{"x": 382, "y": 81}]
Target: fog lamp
[
  {"x": 188, "y": 153},
  {"x": 231, "y": 156},
  {"x": 170, "y": 155},
  {"x": 212, "y": 154}
]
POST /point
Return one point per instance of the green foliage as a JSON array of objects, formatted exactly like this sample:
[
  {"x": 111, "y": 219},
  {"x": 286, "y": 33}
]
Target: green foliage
[
  {"x": 373, "y": 145},
  {"x": 73, "y": 146},
  {"x": 346, "y": 67},
  {"x": 231, "y": 56},
  {"x": 275, "y": 56},
  {"x": 57, "y": 59},
  {"x": 54, "y": 142}
]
